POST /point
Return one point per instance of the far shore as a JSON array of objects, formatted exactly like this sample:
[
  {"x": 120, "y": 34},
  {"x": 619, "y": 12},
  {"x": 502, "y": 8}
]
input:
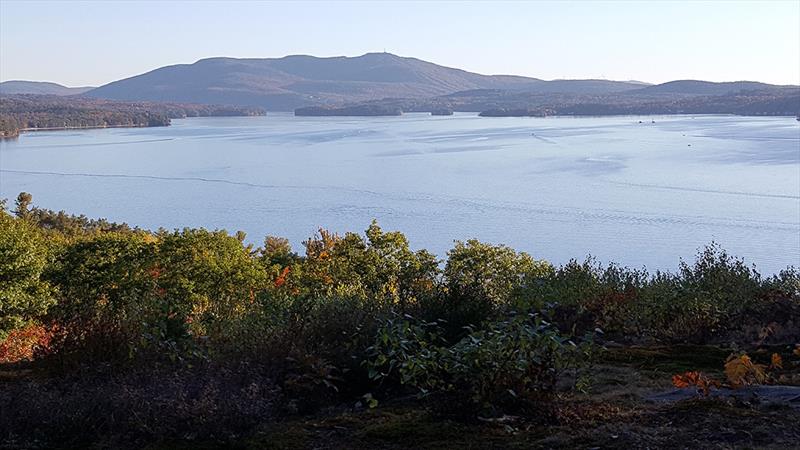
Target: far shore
[{"x": 94, "y": 127}]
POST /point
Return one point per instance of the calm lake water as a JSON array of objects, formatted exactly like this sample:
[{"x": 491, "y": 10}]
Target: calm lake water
[{"x": 560, "y": 188}]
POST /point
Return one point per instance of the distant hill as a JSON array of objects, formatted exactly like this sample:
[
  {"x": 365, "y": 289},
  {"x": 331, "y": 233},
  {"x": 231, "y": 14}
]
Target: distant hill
[
  {"x": 766, "y": 100},
  {"x": 386, "y": 82},
  {"x": 39, "y": 88},
  {"x": 696, "y": 87},
  {"x": 596, "y": 87},
  {"x": 296, "y": 81}
]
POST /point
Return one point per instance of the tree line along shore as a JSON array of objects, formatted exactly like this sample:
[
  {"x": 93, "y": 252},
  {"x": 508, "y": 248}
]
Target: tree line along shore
[{"x": 26, "y": 112}]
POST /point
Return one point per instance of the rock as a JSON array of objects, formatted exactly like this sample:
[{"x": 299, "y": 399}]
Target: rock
[{"x": 763, "y": 395}]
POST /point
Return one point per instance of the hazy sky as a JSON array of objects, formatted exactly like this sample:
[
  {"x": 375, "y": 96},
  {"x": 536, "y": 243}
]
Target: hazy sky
[{"x": 94, "y": 42}]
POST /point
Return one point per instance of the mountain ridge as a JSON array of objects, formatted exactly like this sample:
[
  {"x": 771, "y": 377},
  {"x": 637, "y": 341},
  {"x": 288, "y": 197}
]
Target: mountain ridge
[
  {"x": 12, "y": 87},
  {"x": 302, "y": 80},
  {"x": 700, "y": 87}
]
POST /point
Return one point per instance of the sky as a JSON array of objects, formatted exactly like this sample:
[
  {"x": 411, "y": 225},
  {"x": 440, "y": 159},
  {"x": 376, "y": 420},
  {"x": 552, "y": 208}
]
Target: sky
[{"x": 96, "y": 42}]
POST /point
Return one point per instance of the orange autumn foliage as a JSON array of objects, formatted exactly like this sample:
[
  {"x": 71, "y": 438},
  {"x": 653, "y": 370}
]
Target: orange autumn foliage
[
  {"x": 281, "y": 280},
  {"x": 776, "y": 362},
  {"x": 695, "y": 379},
  {"x": 742, "y": 371}
]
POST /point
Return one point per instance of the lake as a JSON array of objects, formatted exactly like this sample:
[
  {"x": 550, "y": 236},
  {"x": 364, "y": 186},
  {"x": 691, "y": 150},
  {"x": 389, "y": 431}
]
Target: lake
[{"x": 638, "y": 193}]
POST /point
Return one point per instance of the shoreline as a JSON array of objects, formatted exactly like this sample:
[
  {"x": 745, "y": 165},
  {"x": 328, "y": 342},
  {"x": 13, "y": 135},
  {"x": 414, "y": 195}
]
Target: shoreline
[
  {"x": 94, "y": 127},
  {"x": 476, "y": 113}
]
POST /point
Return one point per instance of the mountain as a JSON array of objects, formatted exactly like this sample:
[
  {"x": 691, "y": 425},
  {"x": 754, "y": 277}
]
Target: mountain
[
  {"x": 39, "y": 88},
  {"x": 696, "y": 87},
  {"x": 296, "y": 81}
]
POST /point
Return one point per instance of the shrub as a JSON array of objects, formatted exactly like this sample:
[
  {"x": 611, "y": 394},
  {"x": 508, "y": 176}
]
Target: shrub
[
  {"x": 481, "y": 280},
  {"x": 109, "y": 303},
  {"x": 381, "y": 268},
  {"x": 22, "y": 344},
  {"x": 510, "y": 363},
  {"x": 712, "y": 299},
  {"x": 209, "y": 280},
  {"x": 703, "y": 301},
  {"x": 584, "y": 296},
  {"x": 785, "y": 283},
  {"x": 24, "y": 295}
]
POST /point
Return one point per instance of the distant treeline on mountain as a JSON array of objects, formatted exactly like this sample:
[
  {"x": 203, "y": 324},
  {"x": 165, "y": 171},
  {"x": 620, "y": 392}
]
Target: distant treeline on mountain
[
  {"x": 39, "y": 88},
  {"x": 32, "y": 112},
  {"x": 370, "y": 110},
  {"x": 771, "y": 101},
  {"x": 783, "y": 102}
]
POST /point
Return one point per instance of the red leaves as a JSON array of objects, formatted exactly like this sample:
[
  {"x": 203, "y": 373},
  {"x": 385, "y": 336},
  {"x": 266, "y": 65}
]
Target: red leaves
[
  {"x": 155, "y": 272},
  {"x": 21, "y": 344}
]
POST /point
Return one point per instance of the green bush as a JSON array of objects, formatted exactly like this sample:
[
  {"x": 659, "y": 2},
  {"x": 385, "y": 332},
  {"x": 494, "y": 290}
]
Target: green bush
[
  {"x": 24, "y": 295},
  {"x": 209, "y": 279},
  {"x": 704, "y": 301},
  {"x": 481, "y": 280},
  {"x": 511, "y": 363},
  {"x": 109, "y": 303},
  {"x": 382, "y": 268}
]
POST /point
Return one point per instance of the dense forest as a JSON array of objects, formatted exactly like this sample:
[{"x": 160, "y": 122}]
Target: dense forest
[
  {"x": 30, "y": 112},
  {"x": 508, "y": 103},
  {"x": 113, "y": 336}
]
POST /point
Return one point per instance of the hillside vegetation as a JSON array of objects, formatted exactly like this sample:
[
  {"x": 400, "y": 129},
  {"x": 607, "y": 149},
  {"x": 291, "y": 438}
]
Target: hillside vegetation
[{"x": 111, "y": 336}]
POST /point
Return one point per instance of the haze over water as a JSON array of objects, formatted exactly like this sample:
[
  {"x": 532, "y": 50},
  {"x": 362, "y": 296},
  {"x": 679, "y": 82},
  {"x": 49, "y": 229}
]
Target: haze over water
[{"x": 634, "y": 193}]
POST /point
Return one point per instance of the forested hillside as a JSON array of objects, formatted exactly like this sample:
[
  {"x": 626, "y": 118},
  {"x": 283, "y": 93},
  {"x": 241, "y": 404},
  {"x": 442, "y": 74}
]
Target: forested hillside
[
  {"x": 284, "y": 84},
  {"x": 773, "y": 101}
]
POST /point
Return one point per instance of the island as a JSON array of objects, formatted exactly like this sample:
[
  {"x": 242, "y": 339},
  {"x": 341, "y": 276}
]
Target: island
[
  {"x": 365, "y": 110},
  {"x": 519, "y": 112},
  {"x": 442, "y": 112}
]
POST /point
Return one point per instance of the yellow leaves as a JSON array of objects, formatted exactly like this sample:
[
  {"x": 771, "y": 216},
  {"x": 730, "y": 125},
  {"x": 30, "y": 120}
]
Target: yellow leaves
[
  {"x": 742, "y": 371},
  {"x": 776, "y": 362},
  {"x": 320, "y": 245},
  {"x": 697, "y": 379},
  {"x": 149, "y": 238}
]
